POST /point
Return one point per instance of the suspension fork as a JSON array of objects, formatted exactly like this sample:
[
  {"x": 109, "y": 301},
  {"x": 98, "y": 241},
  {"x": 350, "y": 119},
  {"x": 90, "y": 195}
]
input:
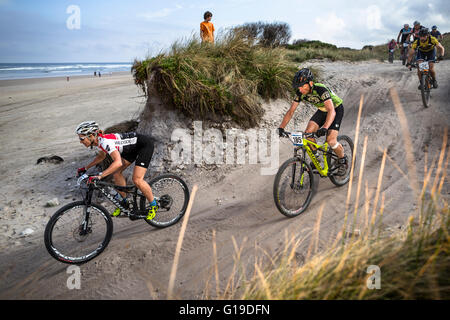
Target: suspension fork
[
  {"x": 302, "y": 173},
  {"x": 87, "y": 208}
]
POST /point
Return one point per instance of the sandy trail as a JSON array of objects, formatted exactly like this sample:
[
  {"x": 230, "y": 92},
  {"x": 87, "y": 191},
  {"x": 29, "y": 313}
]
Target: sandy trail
[{"x": 138, "y": 260}]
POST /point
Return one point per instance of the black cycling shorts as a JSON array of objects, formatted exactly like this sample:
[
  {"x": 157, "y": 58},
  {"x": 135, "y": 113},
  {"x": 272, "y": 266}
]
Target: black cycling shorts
[
  {"x": 427, "y": 56},
  {"x": 320, "y": 117},
  {"x": 143, "y": 152}
]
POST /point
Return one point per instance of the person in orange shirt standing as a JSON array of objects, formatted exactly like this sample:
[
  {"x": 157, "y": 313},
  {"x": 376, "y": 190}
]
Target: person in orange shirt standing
[{"x": 207, "y": 28}]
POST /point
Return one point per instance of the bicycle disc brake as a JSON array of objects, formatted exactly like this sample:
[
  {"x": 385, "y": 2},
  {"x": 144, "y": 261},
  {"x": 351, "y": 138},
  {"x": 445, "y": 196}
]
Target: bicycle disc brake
[{"x": 81, "y": 232}]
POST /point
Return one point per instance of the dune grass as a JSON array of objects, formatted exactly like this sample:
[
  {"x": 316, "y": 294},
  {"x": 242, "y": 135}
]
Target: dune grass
[
  {"x": 305, "y": 50},
  {"x": 319, "y": 50},
  {"x": 230, "y": 78}
]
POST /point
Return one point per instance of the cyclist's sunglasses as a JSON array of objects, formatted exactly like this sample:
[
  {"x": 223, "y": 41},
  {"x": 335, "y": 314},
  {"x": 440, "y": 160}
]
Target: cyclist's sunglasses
[
  {"x": 82, "y": 138},
  {"x": 303, "y": 83}
]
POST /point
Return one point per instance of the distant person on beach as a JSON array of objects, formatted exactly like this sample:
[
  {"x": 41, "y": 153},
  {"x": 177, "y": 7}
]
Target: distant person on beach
[
  {"x": 95, "y": 73},
  {"x": 124, "y": 149},
  {"x": 99, "y": 74},
  {"x": 207, "y": 28}
]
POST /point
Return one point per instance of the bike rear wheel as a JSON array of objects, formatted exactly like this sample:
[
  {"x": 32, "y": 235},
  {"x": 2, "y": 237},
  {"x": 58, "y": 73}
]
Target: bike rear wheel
[
  {"x": 172, "y": 195},
  {"x": 332, "y": 159},
  {"x": 293, "y": 187},
  {"x": 426, "y": 89},
  {"x": 77, "y": 233}
]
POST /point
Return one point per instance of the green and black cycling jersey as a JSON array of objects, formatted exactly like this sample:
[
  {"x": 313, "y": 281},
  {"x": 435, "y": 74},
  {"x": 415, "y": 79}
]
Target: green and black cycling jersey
[{"x": 320, "y": 93}]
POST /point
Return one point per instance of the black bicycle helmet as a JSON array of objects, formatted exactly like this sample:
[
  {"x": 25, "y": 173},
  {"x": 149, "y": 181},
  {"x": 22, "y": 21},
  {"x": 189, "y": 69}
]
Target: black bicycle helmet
[
  {"x": 416, "y": 23},
  {"x": 301, "y": 77},
  {"x": 424, "y": 32}
]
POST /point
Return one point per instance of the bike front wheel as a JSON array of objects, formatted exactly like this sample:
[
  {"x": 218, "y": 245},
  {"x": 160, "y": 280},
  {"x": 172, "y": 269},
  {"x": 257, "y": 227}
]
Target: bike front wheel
[
  {"x": 425, "y": 90},
  {"x": 77, "y": 233},
  {"x": 172, "y": 196},
  {"x": 293, "y": 187}
]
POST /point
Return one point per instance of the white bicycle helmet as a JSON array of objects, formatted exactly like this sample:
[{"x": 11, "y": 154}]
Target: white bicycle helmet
[{"x": 87, "y": 127}]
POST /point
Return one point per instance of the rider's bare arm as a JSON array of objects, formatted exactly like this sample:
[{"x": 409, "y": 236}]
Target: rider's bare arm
[
  {"x": 331, "y": 113},
  {"x": 117, "y": 163},
  {"x": 289, "y": 114},
  {"x": 441, "y": 49},
  {"x": 99, "y": 158}
]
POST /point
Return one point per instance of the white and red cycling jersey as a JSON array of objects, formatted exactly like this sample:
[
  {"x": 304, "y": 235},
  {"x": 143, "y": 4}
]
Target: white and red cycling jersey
[
  {"x": 132, "y": 146},
  {"x": 123, "y": 142}
]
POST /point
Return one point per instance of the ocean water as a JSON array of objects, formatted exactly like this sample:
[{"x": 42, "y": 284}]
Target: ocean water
[{"x": 43, "y": 70}]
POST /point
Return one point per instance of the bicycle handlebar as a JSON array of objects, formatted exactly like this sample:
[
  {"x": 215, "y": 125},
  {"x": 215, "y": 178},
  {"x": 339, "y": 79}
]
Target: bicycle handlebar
[
  {"x": 95, "y": 182},
  {"x": 99, "y": 183},
  {"x": 305, "y": 134}
]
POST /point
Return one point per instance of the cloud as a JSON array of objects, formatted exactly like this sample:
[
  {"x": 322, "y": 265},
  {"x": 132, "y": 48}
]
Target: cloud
[
  {"x": 329, "y": 27},
  {"x": 162, "y": 13},
  {"x": 374, "y": 18}
]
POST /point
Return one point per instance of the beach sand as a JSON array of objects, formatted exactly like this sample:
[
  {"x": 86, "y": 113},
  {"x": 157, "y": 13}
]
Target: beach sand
[{"x": 38, "y": 118}]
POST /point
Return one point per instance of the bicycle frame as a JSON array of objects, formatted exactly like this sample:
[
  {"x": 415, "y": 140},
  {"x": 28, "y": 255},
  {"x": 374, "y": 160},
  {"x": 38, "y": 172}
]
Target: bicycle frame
[
  {"x": 306, "y": 147},
  {"x": 102, "y": 187}
]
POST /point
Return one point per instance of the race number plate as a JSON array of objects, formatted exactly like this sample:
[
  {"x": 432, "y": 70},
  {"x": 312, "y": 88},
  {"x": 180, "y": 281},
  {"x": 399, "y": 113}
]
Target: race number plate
[
  {"x": 423, "y": 66},
  {"x": 297, "y": 138},
  {"x": 405, "y": 44}
]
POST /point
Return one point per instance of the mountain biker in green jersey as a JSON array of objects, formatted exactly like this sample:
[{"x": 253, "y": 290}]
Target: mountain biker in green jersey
[
  {"x": 124, "y": 149},
  {"x": 326, "y": 120}
]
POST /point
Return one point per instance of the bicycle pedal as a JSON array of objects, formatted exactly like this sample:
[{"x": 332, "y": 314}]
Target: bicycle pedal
[{"x": 133, "y": 217}]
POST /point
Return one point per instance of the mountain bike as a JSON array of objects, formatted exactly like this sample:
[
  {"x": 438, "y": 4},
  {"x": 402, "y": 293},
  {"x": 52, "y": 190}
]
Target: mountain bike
[
  {"x": 81, "y": 230},
  {"x": 294, "y": 184},
  {"x": 404, "y": 53},
  {"x": 426, "y": 82},
  {"x": 391, "y": 56}
]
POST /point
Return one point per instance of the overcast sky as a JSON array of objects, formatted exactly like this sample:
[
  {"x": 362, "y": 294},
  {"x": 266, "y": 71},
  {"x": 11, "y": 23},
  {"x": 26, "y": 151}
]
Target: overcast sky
[{"x": 119, "y": 31}]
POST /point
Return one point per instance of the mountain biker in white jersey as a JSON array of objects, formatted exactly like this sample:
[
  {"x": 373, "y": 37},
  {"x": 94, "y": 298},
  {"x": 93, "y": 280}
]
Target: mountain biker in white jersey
[
  {"x": 124, "y": 148},
  {"x": 405, "y": 34}
]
